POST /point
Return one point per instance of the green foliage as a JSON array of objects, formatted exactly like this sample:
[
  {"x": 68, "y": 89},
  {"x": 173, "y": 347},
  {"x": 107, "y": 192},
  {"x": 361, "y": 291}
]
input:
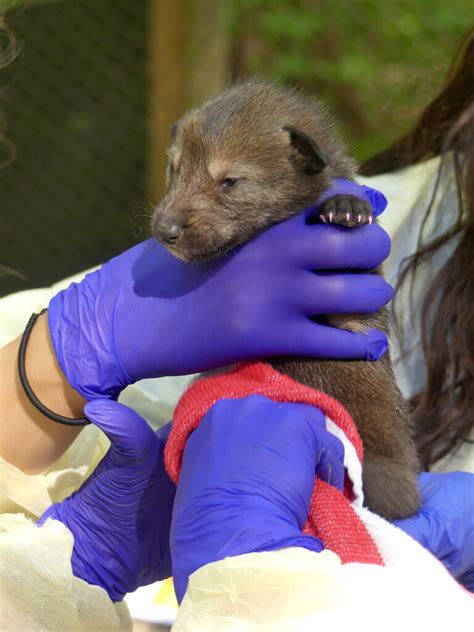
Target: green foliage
[
  {"x": 12, "y": 5},
  {"x": 376, "y": 64}
]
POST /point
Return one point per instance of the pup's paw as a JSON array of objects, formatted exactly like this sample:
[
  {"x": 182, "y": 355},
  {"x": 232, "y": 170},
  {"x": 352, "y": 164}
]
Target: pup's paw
[{"x": 345, "y": 210}]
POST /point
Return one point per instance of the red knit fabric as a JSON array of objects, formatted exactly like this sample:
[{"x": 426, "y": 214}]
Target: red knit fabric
[{"x": 331, "y": 518}]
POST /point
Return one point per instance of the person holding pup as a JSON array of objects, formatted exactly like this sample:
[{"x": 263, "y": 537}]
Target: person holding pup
[{"x": 247, "y": 473}]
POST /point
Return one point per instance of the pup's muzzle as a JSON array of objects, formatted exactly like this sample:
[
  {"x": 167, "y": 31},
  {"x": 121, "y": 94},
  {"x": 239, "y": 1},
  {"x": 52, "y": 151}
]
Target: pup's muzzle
[{"x": 168, "y": 231}]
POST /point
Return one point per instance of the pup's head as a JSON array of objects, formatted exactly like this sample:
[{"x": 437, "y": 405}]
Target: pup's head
[{"x": 252, "y": 157}]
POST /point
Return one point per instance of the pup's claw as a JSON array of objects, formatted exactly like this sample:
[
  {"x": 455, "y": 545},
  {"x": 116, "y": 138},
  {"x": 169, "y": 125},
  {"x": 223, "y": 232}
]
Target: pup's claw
[{"x": 346, "y": 210}]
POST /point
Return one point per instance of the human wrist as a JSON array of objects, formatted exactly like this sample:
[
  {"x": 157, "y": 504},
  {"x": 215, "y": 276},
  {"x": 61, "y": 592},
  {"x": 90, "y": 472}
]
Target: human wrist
[
  {"x": 32, "y": 442},
  {"x": 46, "y": 378}
]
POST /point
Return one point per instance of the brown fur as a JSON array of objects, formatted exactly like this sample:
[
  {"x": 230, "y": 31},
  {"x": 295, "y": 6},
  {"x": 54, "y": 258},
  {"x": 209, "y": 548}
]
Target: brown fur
[{"x": 284, "y": 150}]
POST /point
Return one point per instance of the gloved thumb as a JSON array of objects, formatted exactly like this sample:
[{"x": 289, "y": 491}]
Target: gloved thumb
[
  {"x": 377, "y": 199},
  {"x": 129, "y": 433},
  {"x": 164, "y": 432}
]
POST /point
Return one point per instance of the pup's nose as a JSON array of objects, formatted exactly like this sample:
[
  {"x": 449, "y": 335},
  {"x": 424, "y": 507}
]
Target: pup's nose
[{"x": 169, "y": 232}]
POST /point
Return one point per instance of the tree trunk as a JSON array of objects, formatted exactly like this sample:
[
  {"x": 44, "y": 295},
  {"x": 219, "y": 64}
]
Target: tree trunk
[{"x": 189, "y": 63}]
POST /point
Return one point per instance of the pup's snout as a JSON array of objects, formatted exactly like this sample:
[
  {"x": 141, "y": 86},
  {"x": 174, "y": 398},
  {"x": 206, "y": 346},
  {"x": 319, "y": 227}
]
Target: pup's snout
[{"x": 169, "y": 231}]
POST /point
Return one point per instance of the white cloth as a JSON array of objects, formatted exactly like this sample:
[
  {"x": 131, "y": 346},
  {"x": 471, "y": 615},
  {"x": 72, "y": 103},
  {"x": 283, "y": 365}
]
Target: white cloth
[
  {"x": 38, "y": 592},
  {"x": 290, "y": 589},
  {"x": 296, "y": 589}
]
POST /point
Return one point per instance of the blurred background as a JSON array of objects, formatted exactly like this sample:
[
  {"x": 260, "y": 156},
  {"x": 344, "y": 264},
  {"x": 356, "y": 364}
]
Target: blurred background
[{"x": 90, "y": 88}]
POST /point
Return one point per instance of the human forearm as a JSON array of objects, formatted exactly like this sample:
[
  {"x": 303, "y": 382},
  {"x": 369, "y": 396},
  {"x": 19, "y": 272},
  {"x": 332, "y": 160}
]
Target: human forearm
[{"x": 28, "y": 439}]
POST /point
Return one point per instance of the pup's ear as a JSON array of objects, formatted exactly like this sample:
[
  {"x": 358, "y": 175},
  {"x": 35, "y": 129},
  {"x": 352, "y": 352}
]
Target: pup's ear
[
  {"x": 313, "y": 158},
  {"x": 174, "y": 130}
]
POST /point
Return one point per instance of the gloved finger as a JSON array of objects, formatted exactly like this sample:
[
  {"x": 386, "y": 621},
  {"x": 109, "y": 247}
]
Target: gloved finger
[
  {"x": 129, "y": 433},
  {"x": 330, "y": 466},
  {"x": 430, "y": 530},
  {"x": 444, "y": 524},
  {"x": 428, "y": 483},
  {"x": 467, "y": 580},
  {"x": 314, "y": 340},
  {"x": 377, "y": 200},
  {"x": 325, "y": 247},
  {"x": 419, "y": 527},
  {"x": 338, "y": 293},
  {"x": 328, "y": 450},
  {"x": 164, "y": 432}
]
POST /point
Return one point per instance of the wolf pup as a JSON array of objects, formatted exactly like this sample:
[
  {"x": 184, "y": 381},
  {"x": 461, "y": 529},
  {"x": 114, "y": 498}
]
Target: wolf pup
[{"x": 252, "y": 157}]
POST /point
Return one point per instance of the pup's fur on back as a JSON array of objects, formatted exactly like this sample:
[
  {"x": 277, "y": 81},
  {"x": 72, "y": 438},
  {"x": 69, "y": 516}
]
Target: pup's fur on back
[{"x": 256, "y": 155}]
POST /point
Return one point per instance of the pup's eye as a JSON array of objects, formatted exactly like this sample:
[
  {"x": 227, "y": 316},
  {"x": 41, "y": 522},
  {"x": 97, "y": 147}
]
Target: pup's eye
[{"x": 228, "y": 183}]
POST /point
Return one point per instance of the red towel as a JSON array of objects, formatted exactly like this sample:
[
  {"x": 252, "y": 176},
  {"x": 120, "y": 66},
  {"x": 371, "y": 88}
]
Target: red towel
[{"x": 331, "y": 517}]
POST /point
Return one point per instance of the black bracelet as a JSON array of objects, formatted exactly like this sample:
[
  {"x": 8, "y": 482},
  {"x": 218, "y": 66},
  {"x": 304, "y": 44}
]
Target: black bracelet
[{"x": 67, "y": 421}]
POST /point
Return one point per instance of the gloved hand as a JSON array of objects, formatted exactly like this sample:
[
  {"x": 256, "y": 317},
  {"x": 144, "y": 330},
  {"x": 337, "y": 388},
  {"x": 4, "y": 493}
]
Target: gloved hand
[
  {"x": 120, "y": 517},
  {"x": 146, "y": 314},
  {"x": 445, "y": 523},
  {"x": 246, "y": 482}
]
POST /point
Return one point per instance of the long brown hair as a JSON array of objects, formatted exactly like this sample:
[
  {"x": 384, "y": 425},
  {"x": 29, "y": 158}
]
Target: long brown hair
[{"x": 444, "y": 409}]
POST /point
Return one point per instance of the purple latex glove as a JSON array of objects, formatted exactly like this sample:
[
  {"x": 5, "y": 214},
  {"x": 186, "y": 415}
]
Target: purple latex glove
[
  {"x": 120, "y": 517},
  {"x": 246, "y": 482},
  {"x": 146, "y": 314},
  {"x": 445, "y": 523}
]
